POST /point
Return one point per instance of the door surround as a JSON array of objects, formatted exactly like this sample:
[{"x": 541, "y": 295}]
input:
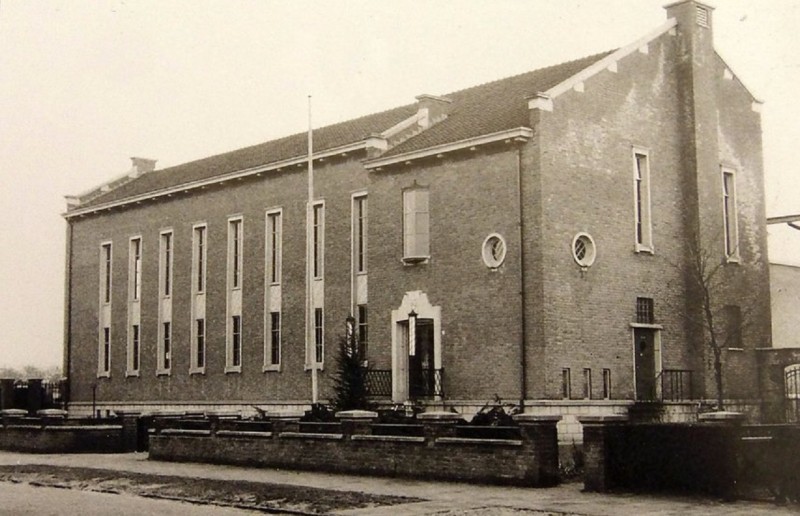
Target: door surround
[
  {"x": 656, "y": 329},
  {"x": 414, "y": 301}
]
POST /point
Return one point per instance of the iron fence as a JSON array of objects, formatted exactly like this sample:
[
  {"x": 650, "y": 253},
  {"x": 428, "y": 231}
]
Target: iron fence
[
  {"x": 379, "y": 382},
  {"x": 676, "y": 385}
]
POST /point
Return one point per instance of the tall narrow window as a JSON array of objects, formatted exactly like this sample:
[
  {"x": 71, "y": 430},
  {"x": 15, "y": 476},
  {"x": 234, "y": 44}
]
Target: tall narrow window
[
  {"x": 360, "y": 233},
  {"x": 136, "y": 268},
  {"x": 275, "y": 339},
  {"x": 566, "y": 384},
  {"x": 105, "y": 351},
  {"x": 587, "y": 383},
  {"x": 106, "y": 272},
  {"x": 641, "y": 190},
  {"x": 733, "y": 326},
  {"x": 416, "y": 224},
  {"x": 235, "y": 252},
  {"x": 236, "y": 343},
  {"x": 274, "y": 229},
  {"x": 319, "y": 240},
  {"x": 135, "y": 344},
  {"x": 200, "y": 343},
  {"x": 166, "y": 263},
  {"x": 166, "y": 345},
  {"x": 363, "y": 330},
  {"x": 319, "y": 336},
  {"x": 199, "y": 269},
  {"x": 730, "y": 215},
  {"x": 606, "y": 384}
]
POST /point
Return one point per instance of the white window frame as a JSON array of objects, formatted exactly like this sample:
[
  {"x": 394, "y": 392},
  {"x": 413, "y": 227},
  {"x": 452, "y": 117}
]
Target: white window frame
[
  {"x": 318, "y": 239},
  {"x": 235, "y": 286},
  {"x": 164, "y": 355},
  {"x": 273, "y": 246},
  {"x": 106, "y": 272},
  {"x": 319, "y": 336},
  {"x": 730, "y": 221},
  {"x": 360, "y": 227},
  {"x": 270, "y": 345},
  {"x": 135, "y": 269},
  {"x": 196, "y": 366},
  {"x": 235, "y": 252},
  {"x": 413, "y": 250},
  {"x": 135, "y": 353},
  {"x": 105, "y": 295},
  {"x": 199, "y": 258},
  {"x": 166, "y": 261},
  {"x": 642, "y": 204}
]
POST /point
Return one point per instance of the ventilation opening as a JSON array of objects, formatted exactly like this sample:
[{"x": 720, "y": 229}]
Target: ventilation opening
[{"x": 702, "y": 16}]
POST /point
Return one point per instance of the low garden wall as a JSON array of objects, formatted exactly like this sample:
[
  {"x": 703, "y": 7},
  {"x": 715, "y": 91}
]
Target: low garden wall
[
  {"x": 431, "y": 448},
  {"x": 718, "y": 457},
  {"x": 51, "y": 432}
]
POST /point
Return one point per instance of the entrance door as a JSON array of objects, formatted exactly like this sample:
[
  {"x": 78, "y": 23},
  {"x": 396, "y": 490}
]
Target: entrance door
[
  {"x": 645, "y": 366},
  {"x": 421, "y": 370}
]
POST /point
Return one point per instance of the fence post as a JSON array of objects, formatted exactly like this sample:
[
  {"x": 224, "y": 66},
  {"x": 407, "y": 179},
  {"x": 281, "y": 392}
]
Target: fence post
[
  {"x": 6, "y": 393},
  {"x": 130, "y": 429},
  {"x": 35, "y": 395},
  {"x": 357, "y": 422},
  {"x": 597, "y": 433},
  {"x": 438, "y": 424},
  {"x": 284, "y": 422},
  {"x": 540, "y": 434}
]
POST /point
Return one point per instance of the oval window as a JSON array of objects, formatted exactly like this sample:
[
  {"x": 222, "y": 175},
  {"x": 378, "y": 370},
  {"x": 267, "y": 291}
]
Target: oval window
[
  {"x": 494, "y": 251},
  {"x": 583, "y": 249}
]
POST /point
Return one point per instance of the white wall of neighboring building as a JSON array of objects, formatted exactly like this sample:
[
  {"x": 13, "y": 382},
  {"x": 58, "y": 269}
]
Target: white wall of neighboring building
[{"x": 785, "y": 293}]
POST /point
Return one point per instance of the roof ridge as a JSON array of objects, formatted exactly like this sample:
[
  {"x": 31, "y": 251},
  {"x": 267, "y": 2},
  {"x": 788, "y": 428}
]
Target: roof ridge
[{"x": 515, "y": 76}]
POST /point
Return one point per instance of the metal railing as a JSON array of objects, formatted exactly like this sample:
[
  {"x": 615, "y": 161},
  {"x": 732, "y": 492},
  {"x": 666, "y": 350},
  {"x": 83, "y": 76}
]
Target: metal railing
[
  {"x": 426, "y": 383},
  {"x": 379, "y": 382},
  {"x": 676, "y": 385}
]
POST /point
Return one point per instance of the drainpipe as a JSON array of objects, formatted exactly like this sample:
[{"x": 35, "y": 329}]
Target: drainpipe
[{"x": 523, "y": 380}]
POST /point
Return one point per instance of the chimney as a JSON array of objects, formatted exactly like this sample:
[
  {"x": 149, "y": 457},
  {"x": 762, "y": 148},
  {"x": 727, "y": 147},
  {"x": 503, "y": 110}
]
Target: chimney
[
  {"x": 141, "y": 166},
  {"x": 433, "y": 108}
]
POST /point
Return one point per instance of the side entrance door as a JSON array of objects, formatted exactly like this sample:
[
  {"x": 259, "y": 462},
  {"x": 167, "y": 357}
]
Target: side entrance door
[
  {"x": 644, "y": 340},
  {"x": 421, "y": 374}
]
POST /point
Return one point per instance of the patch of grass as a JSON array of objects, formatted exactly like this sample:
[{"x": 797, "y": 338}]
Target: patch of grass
[{"x": 252, "y": 495}]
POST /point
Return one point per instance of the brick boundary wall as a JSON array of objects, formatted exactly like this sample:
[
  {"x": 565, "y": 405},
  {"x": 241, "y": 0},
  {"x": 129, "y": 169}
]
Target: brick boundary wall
[
  {"x": 719, "y": 456},
  {"x": 51, "y": 432},
  {"x": 531, "y": 460}
]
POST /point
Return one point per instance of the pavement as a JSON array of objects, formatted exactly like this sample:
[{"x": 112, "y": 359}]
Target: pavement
[{"x": 441, "y": 498}]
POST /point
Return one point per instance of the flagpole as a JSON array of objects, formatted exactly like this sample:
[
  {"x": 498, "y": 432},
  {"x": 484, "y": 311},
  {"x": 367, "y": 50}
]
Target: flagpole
[{"x": 311, "y": 347}]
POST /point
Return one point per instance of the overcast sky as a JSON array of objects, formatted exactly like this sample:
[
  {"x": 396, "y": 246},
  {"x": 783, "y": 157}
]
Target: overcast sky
[{"x": 84, "y": 85}]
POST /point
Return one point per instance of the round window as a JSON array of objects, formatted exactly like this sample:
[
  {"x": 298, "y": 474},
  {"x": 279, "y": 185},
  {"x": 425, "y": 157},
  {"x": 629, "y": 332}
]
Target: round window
[
  {"x": 494, "y": 251},
  {"x": 583, "y": 249}
]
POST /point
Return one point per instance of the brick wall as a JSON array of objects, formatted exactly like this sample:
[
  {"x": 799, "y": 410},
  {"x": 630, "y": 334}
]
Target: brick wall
[{"x": 62, "y": 439}]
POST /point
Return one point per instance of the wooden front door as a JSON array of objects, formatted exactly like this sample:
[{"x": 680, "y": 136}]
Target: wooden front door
[{"x": 645, "y": 363}]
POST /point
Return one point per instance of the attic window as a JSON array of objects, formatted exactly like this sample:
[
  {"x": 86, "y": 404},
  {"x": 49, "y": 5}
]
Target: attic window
[{"x": 702, "y": 16}]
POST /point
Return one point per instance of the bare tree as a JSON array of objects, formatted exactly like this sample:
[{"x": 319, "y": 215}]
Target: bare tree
[{"x": 708, "y": 311}]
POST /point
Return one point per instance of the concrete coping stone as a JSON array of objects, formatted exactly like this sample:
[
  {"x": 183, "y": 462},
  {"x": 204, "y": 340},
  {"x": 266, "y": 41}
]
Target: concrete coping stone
[
  {"x": 83, "y": 428},
  {"x": 439, "y": 415},
  {"x": 286, "y": 415},
  {"x": 721, "y": 416},
  {"x": 471, "y": 440},
  {"x": 185, "y": 431},
  {"x": 168, "y": 413},
  {"x": 127, "y": 412},
  {"x": 242, "y": 433},
  {"x": 312, "y": 435},
  {"x": 223, "y": 414},
  {"x": 51, "y": 412},
  {"x": 389, "y": 438},
  {"x": 13, "y": 412},
  {"x": 535, "y": 418},
  {"x": 601, "y": 420},
  {"x": 357, "y": 414}
]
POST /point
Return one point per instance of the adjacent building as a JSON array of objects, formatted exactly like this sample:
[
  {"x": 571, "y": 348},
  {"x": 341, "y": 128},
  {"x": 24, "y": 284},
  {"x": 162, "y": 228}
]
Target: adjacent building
[{"x": 529, "y": 238}]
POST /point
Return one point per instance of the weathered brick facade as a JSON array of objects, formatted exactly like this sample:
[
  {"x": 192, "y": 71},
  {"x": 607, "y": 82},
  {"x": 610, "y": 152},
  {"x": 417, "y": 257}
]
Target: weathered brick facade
[{"x": 561, "y": 165}]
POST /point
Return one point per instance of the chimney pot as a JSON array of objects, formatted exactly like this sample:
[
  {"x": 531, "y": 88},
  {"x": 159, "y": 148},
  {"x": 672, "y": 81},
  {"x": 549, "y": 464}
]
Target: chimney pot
[{"x": 141, "y": 166}]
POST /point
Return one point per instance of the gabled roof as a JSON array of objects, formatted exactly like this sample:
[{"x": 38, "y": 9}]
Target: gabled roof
[{"x": 485, "y": 109}]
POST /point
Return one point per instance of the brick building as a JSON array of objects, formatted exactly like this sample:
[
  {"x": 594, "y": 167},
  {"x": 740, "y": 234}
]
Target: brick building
[{"x": 527, "y": 238}]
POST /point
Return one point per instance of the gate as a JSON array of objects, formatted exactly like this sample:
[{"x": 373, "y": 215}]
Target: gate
[{"x": 791, "y": 398}]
